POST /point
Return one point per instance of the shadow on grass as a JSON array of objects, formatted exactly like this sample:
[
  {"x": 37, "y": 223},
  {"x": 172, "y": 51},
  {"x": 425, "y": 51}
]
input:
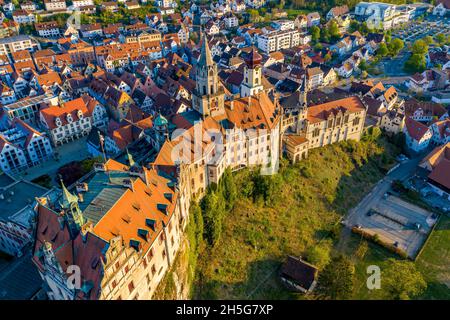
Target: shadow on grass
[
  {"x": 262, "y": 282},
  {"x": 435, "y": 291},
  {"x": 443, "y": 225}
]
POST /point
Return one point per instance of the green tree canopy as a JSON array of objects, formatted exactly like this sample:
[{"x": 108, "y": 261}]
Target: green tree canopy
[
  {"x": 440, "y": 39},
  {"x": 333, "y": 30},
  {"x": 416, "y": 63},
  {"x": 419, "y": 47},
  {"x": 319, "y": 255},
  {"x": 401, "y": 280},
  {"x": 382, "y": 50},
  {"x": 230, "y": 191},
  {"x": 428, "y": 40},
  {"x": 337, "y": 279},
  {"x": 315, "y": 33},
  {"x": 395, "y": 46},
  {"x": 214, "y": 211}
]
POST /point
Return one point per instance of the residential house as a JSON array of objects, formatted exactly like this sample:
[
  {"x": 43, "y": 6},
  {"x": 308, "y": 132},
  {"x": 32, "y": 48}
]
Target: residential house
[{"x": 418, "y": 136}]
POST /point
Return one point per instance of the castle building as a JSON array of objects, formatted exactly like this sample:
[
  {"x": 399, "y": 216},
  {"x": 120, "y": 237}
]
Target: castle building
[
  {"x": 309, "y": 127},
  {"x": 115, "y": 239}
]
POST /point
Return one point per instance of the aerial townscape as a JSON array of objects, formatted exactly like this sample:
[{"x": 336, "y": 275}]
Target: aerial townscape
[{"x": 224, "y": 149}]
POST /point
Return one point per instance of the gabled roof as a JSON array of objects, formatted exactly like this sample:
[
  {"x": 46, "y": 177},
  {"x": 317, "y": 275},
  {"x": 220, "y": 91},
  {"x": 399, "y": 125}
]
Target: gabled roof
[
  {"x": 322, "y": 112},
  {"x": 416, "y": 130},
  {"x": 300, "y": 272},
  {"x": 441, "y": 174}
]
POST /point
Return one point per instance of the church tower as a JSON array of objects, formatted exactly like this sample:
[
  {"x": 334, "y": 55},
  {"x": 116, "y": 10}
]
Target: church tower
[
  {"x": 69, "y": 205},
  {"x": 302, "y": 106},
  {"x": 252, "y": 74},
  {"x": 161, "y": 127},
  {"x": 209, "y": 96}
]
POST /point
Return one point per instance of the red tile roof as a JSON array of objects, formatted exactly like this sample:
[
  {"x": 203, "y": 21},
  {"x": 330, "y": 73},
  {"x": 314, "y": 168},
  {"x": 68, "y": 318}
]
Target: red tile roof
[
  {"x": 441, "y": 174},
  {"x": 321, "y": 112},
  {"x": 416, "y": 130}
]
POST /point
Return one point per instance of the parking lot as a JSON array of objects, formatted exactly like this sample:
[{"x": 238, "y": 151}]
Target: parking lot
[
  {"x": 397, "y": 222},
  {"x": 417, "y": 30}
]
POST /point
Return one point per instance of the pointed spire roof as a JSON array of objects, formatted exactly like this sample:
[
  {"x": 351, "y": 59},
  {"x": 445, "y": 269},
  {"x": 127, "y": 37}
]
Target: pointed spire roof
[
  {"x": 205, "y": 54},
  {"x": 130, "y": 159},
  {"x": 67, "y": 197},
  {"x": 303, "y": 94},
  {"x": 253, "y": 58},
  {"x": 305, "y": 84}
]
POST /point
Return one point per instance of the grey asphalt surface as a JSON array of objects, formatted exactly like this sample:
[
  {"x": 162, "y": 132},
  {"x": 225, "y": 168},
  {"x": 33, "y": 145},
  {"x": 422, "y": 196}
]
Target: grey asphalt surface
[{"x": 409, "y": 239}]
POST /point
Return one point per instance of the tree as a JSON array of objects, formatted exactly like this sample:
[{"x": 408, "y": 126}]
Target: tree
[
  {"x": 337, "y": 278},
  {"x": 440, "y": 39},
  {"x": 363, "y": 65},
  {"x": 428, "y": 40},
  {"x": 400, "y": 279},
  {"x": 213, "y": 206},
  {"x": 229, "y": 189},
  {"x": 382, "y": 50},
  {"x": 363, "y": 28},
  {"x": 325, "y": 35},
  {"x": 333, "y": 30},
  {"x": 395, "y": 46},
  {"x": 416, "y": 63},
  {"x": 254, "y": 15},
  {"x": 318, "y": 255},
  {"x": 354, "y": 26},
  {"x": 315, "y": 33},
  {"x": 419, "y": 47}
]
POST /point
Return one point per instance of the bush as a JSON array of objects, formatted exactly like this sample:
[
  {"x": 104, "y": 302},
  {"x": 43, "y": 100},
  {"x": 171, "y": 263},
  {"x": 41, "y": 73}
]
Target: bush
[
  {"x": 319, "y": 255},
  {"x": 376, "y": 239}
]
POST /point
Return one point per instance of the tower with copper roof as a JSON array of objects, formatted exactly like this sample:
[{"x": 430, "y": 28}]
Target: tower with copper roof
[
  {"x": 252, "y": 74},
  {"x": 71, "y": 209},
  {"x": 209, "y": 96}
]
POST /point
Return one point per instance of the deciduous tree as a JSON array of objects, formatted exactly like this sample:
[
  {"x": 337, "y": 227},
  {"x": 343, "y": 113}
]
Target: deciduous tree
[{"x": 337, "y": 279}]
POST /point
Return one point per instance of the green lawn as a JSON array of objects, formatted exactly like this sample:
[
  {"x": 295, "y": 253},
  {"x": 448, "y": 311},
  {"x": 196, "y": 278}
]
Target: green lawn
[
  {"x": 434, "y": 262},
  {"x": 304, "y": 209}
]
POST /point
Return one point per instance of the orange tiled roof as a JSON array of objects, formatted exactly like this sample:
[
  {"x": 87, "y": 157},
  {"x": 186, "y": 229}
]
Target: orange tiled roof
[{"x": 321, "y": 112}]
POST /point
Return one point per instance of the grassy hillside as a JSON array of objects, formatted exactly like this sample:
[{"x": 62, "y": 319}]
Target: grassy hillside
[
  {"x": 297, "y": 213},
  {"x": 434, "y": 262}
]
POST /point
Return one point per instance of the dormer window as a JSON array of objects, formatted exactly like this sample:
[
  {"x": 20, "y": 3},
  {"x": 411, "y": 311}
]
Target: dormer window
[
  {"x": 58, "y": 122},
  {"x": 69, "y": 118},
  {"x": 80, "y": 114}
]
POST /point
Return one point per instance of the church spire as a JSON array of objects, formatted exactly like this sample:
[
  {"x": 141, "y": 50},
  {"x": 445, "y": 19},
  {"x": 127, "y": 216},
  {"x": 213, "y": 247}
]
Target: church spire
[
  {"x": 205, "y": 54},
  {"x": 67, "y": 198},
  {"x": 130, "y": 159},
  {"x": 304, "y": 93},
  {"x": 209, "y": 96},
  {"x": 72, "y": 211}
]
